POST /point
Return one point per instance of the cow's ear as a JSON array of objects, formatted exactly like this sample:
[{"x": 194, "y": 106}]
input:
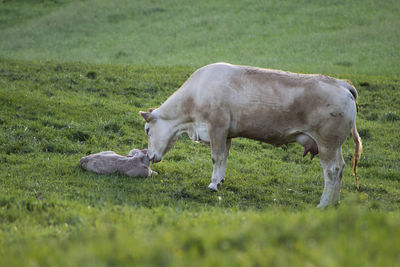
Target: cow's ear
[
  {"x": 146, "y": 116},
  {"x": 150, "y": 110}
]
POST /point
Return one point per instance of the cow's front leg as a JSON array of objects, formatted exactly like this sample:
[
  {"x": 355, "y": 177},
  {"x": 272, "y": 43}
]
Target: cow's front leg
[{"x": 219, "y": 154}]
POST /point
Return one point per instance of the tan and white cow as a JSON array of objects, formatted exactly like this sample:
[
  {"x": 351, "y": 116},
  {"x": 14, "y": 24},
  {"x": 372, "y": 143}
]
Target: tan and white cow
[{"x": 223, "y": 101}]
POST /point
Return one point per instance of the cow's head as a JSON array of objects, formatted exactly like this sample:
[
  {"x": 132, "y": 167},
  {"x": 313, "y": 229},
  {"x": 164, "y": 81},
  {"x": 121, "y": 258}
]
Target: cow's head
[{"x": 161, "y": 133}]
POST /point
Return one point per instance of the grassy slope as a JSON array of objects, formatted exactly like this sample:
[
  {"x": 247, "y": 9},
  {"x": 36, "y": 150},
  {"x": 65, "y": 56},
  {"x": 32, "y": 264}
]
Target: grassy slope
[
  {"x": 54, "y": 113},
  {"x": 304, "y": 36}
]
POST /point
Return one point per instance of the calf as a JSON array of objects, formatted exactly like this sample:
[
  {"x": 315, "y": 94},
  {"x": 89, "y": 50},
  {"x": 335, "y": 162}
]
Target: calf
[{"x": 136, "y": 163}]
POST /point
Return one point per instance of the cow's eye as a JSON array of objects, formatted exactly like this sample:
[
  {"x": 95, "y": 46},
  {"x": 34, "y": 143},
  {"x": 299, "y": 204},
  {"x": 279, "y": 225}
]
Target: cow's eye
[{"x": 147, "y": 131}]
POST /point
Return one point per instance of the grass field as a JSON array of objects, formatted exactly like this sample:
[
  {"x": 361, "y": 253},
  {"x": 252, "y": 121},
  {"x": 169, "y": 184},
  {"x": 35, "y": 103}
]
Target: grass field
[
  {"x": 73, "y": 76},
  {"x": 305, "y": 36}
]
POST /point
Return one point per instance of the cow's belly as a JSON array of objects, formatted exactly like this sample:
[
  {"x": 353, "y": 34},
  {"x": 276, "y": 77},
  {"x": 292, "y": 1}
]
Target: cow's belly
[
  {"x": 274, "y": 129},
  {"x": 271, "y": 136}
]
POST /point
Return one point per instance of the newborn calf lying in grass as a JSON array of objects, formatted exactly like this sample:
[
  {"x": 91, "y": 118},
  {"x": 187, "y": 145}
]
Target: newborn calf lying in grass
[{"x": 136, "y": 163}]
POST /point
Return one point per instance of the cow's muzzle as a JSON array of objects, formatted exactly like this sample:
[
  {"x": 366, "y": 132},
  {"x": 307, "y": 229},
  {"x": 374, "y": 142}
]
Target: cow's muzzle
[{"x": 154, "y": 158}]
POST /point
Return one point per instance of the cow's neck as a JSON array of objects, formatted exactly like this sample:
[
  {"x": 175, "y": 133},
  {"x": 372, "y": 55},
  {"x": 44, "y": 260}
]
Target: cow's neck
[
  {"x": 184, "y": 124},
  {"x": 197, "y": 131},
  {"x": 177, "y": 108},
  {"x": 178, "y": 111}
]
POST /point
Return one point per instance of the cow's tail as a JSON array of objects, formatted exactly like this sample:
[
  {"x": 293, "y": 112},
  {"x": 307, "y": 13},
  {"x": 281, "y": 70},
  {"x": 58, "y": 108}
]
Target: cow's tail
[
  {"x": 356, "y": 137},
  {"x": 357, "y": 152},
  {"x": 349, "y": 86}
]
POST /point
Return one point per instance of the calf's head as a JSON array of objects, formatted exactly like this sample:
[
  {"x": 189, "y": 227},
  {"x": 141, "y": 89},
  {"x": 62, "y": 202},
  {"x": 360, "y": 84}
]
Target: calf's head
[{"x": 161, "y": 134}]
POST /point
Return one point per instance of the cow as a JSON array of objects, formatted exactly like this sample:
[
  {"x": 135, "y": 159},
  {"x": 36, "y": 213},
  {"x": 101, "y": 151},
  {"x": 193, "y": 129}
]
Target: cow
[{"x": 222, "y": 101}]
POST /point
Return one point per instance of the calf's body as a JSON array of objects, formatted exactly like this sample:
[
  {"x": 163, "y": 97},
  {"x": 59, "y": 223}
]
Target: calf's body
[
  {"x": 136, "y": 163},
  {"x": 223, "y": 101}
]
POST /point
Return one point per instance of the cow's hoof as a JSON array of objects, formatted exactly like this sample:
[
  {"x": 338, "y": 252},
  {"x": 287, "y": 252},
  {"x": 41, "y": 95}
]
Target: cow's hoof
[
  {"x": 222, "y": 181},
  {"x": 322, "y": 205},
  {"x": 213, "y": 187}
]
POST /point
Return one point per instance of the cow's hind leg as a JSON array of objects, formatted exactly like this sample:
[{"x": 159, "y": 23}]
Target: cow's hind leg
[
  {"x": 220, "y": 146},
  {"x": 332, "y": 163},
  {"x": 228, "y": 147}
]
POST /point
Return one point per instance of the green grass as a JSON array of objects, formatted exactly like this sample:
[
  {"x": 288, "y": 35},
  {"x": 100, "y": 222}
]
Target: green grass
[
  {"x": 50, "y": 209},
  {"x": 304, "y": 36},
  {"x": 123, "y": 235},
  {"x": 73, "y": 76}
]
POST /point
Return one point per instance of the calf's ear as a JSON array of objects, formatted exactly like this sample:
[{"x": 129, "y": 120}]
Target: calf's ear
[{"x": 146, "y": 116}]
